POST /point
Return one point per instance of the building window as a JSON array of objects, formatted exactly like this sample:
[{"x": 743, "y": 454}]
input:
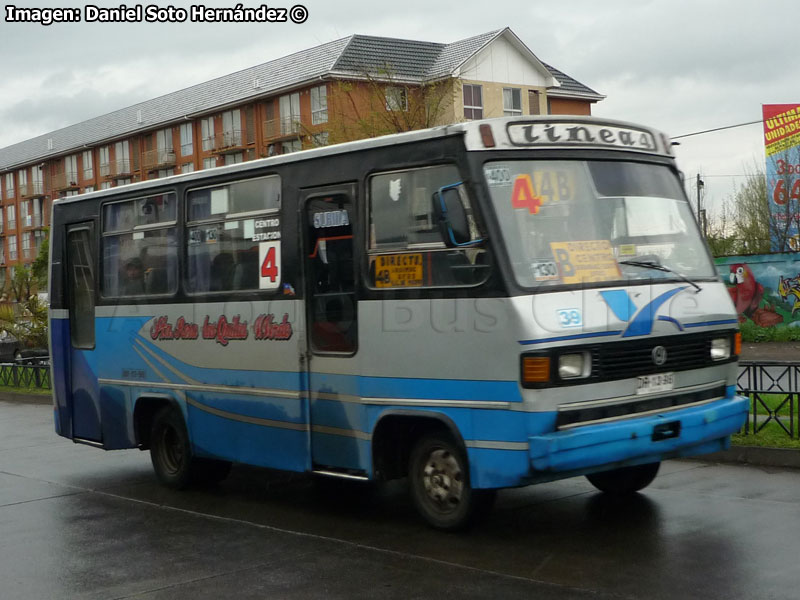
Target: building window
[
  {"x": 11, "y": 217},
  {"x": 9, "y": 186},
  {"x": 512, "y": 102},
  {"x": 231, "y": 129},
  {"x": 12, "y": 247},
  {"x": 207, "y": 132},
  {"x": 25, "y": 214},
  {"x": 166, "y": 155},
  {"x": 473, "y": 101},
  {"x": 22, "y": 182},
  {"x": 209, "y": 163},
  {"x": 105, "y": 185},
  {"x": 71, "y": 169},
  {"x": 88, "y": 188},
  {"x": 187, "y": 145},
  {"x": 319, "y": 105},
  {"x": 165, "y": 173},
  {"x": 396, "y": 98},
  {"x": 290, "y": 113},
  {"x": 122, "y": 153},
  {"x": 37, "y": 185},
  {"x": 26, "y": 244},
  {"x": 187, "y": 168},
  {"x": 234, "y": 159},
  {"x": 105, "y": 162},
  {"x": 88, "y": 165}
]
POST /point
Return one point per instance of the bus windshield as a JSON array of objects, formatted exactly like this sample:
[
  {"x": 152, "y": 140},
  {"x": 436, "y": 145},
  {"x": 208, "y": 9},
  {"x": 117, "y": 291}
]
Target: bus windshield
[{"x": 573, "y": 222}]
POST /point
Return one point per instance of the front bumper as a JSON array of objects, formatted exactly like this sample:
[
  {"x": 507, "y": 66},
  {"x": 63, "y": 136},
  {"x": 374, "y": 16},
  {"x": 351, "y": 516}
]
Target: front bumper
[{"x": 638, "y": 440}]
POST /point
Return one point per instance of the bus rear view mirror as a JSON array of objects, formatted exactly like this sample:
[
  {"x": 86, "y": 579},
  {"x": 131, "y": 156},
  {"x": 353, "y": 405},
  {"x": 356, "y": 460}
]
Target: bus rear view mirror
[{"x": 452, "y": 216}]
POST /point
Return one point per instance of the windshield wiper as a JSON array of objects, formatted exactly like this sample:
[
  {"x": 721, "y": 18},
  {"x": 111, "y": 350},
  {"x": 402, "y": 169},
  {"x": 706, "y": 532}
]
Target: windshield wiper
[{"x": 658, "y": 267}]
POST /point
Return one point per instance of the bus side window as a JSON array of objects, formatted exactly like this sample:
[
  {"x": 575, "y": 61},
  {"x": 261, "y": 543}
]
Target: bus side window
[{"x": 406, "y": 248}]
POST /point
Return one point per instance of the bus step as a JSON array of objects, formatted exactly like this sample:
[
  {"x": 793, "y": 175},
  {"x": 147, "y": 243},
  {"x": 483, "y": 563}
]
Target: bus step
[{"x": 341, "y": 475}]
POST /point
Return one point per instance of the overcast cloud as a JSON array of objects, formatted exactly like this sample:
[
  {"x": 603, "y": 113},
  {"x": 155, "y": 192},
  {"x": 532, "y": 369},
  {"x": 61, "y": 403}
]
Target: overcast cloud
[{"x": 679, "y": 65}]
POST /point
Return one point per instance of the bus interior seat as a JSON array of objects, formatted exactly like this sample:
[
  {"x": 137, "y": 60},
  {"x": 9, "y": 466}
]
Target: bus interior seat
[{"x": 245, "y": 274}]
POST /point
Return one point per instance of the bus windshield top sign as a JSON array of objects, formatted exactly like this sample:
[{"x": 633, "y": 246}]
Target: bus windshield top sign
[{"x": 580, "y": 134}]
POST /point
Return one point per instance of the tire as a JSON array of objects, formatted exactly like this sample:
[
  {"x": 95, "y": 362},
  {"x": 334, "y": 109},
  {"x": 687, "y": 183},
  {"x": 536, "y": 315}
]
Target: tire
[
  {"x": 170, "y": 450},
  {"x": 440, "y": 486},
  {"x": 626, "y": 480}
]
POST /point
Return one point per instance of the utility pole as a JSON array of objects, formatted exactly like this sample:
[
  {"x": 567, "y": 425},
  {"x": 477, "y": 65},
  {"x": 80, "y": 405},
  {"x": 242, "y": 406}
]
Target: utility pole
[{"x": 700, "y": 215}]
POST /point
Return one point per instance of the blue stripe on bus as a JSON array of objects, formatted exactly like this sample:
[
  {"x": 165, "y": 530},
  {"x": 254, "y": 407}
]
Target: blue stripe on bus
[
  {"x": 563, "y": 338},
  {"x": 710, "y": 323}
]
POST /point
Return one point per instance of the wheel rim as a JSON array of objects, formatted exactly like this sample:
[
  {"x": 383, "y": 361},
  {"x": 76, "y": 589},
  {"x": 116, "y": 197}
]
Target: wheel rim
[
  {"x": 443, "y": 480},
  {"x": 172, "y": 452}
]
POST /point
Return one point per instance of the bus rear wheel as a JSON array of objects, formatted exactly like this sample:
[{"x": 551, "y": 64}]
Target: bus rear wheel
[
  {"x": 440, "y": 486},
  {"x": 625, "y": 480},
  {"x": 170, "y": 450}
]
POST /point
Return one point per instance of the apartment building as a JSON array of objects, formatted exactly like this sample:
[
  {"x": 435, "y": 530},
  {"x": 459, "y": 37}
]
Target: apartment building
[{"x": 313, "y": 97}]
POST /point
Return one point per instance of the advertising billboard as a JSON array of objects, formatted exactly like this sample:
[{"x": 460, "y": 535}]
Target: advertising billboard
[{"x": 782, "y": 145}]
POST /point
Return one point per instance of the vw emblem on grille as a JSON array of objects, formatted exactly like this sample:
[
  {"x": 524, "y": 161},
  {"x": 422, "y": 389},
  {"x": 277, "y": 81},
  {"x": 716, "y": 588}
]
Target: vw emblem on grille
[{"x": 659, "y": 355}]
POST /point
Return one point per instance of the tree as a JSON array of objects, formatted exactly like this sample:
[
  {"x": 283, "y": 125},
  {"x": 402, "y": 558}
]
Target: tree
[
  {"x": 380, "y": 103},
  {"x": 753, "y": 224},
  {"x": 26, "y": 321},
  {"x": 21, "y": 284},
  {"x": 40, "y": 266}
]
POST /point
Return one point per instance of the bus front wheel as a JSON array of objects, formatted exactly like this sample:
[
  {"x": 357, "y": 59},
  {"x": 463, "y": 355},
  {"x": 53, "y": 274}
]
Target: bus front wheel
[
  {"x": 440, "y": 486},
  {"x": 625, "y": 480},
  {"x": 170, "y": 450}
]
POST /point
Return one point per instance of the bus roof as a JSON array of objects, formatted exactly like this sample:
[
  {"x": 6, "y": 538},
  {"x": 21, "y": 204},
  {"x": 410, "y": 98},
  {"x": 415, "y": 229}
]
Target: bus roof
[{"x": 504, "y": 133}]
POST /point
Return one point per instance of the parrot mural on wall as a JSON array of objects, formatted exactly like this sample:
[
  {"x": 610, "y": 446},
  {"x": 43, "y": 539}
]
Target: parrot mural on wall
[{"x": 746, "y": 294}]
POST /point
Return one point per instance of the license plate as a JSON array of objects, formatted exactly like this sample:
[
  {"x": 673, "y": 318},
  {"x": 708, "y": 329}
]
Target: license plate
[{"x": 650, "y": 384}]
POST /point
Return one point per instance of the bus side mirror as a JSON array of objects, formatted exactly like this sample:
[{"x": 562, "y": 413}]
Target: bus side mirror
[{"x": 452, "y": 216}]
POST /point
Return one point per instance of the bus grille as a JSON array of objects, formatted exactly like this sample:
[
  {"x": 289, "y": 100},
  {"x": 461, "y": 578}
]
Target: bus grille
[{"x": 619, "y": 360}]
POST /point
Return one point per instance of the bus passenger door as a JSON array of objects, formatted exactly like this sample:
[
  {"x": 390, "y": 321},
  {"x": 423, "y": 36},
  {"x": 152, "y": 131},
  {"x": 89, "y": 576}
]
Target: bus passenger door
[
  {"x": 82, "y": 358},
  {"x": 332, "y": 316}
]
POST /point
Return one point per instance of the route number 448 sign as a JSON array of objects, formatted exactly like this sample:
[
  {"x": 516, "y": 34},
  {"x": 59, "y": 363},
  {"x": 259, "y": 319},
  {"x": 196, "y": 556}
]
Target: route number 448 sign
[{"x": 269, "y": 259}]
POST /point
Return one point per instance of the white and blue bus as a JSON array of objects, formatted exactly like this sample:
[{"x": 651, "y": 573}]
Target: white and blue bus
[{"x": 478, "y": 306}]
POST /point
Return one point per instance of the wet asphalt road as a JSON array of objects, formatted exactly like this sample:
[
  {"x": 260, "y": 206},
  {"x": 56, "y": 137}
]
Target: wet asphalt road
[{"x": 77, "y": 522}]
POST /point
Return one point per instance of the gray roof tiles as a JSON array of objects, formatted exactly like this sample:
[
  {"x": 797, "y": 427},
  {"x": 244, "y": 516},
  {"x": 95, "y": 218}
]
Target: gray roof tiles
[{"x": 409, "y": 60}]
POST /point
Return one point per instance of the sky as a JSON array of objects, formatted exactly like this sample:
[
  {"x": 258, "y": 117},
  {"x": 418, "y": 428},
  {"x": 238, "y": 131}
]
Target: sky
[{"x": 681, "y": 66}]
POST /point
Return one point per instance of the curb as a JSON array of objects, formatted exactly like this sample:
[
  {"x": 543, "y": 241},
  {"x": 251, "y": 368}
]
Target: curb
[
  {"x": 25, "y": 398},
  {"x": 755, "y": 456}
]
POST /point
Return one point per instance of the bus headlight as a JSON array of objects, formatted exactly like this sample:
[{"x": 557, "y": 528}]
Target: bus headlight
[
  {"x": 721, "y": 348},
  {"x": 571, "y": 366}
]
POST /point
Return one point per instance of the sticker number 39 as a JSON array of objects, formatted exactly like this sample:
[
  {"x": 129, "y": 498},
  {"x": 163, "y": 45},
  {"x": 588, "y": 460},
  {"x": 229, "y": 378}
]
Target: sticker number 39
[
  {"x": 269, "y": 259},
  {"x": 569, "y": 317}
]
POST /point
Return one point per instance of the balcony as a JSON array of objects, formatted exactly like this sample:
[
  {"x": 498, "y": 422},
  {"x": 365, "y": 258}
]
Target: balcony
[
  {"x": 281, "y": 128},
  {"x": 32, "y": 190},
  {"x": 226, "y": 142},
  {"x": 29, "y": 221},
  {"x": 116, "y": 169},
  {"x": 152, "y": 160},
  {"x": 65, "y": 181}
]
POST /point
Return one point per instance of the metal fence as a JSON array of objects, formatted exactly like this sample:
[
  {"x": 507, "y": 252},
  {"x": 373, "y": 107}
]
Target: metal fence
[
  {"x": 24, "y": 375},
  {"x": 774, "y": 391}
]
